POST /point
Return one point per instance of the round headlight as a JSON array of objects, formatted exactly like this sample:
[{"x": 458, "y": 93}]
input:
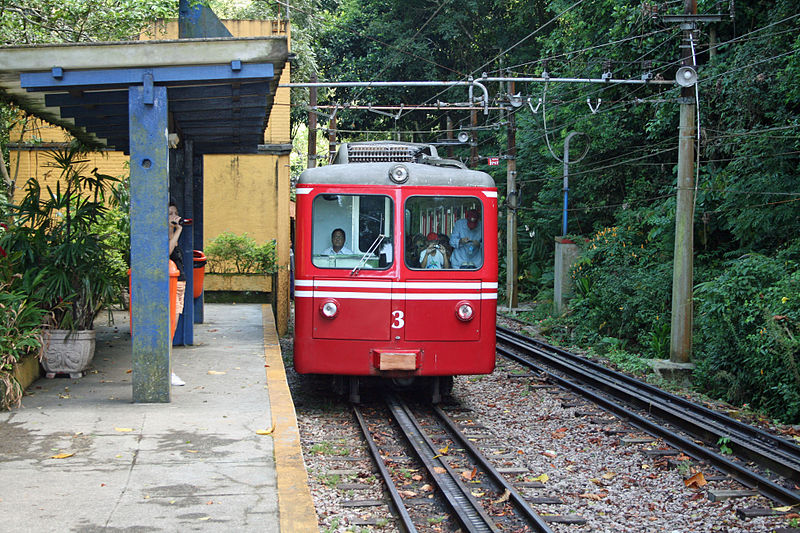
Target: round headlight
[
  {"x": 398, "y": 174},
  {"x": 329, "y": 309},
  {"x": 464, "y": 311}
]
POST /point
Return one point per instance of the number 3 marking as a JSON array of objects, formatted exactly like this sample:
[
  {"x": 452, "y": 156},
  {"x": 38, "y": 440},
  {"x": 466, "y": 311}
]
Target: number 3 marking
[{"x": 398, "y": 320}]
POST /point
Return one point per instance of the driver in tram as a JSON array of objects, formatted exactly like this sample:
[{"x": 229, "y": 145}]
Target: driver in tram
[{"x": 337, "y": 247}]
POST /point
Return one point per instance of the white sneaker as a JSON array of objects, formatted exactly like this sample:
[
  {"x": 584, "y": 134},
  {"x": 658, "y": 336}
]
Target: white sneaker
[{"x": 178, "y": 382}]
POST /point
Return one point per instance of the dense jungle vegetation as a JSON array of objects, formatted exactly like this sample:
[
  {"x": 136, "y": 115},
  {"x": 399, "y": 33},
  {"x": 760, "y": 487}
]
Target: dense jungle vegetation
[{"x": 622, "y": 194}]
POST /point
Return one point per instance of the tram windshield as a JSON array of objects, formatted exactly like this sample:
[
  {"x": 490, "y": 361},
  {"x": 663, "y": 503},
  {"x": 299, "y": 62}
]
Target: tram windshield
[
  {"x": 352, "y": 231},
  {"x": 443, "y": 232}
]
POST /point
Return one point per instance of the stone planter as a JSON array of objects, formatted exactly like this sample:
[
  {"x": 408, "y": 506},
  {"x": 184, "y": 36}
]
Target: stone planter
[{"x": 67, "y": 352}]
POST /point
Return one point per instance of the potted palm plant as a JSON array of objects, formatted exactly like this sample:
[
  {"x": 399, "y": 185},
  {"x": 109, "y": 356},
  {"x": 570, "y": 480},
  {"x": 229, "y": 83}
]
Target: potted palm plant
[{"x": 64, "y": 262}]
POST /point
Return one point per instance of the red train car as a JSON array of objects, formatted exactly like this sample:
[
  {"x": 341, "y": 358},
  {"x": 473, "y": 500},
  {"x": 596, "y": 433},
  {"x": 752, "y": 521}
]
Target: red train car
[{"x": 395, "y": 267}]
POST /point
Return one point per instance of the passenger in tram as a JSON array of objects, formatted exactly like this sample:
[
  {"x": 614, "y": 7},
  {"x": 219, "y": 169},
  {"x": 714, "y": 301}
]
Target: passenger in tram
[
  {"x": 416, "y": 245},
  {"x": 434, "y": 256},
  {"x": 467, "y": 241},
  {"x": 337, "y": 247}
]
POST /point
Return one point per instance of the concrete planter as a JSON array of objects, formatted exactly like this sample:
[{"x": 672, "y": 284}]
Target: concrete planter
[
  {"x": 238, "y": 282},
  {"x": 67, "y": 352}
]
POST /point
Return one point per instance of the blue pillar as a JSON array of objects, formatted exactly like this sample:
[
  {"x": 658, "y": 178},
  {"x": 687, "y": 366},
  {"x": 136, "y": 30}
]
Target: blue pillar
[
  {"x": 149, "y": 165},
  {"x": 197, "y": 195},
  {"x": 182, "y": 191}
]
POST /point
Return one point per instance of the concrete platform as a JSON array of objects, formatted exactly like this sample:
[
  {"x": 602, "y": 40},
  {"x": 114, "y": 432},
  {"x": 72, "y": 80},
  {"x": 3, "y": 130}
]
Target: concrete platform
[{"x": 195, "y": 464}]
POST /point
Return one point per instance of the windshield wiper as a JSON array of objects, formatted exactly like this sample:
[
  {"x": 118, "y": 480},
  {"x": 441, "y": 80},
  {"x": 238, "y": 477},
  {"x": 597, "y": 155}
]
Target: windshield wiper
[{"x": 363, "y": 261}]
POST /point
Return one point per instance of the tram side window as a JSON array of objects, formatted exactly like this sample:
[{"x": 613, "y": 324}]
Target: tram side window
[
  {"x": 351, "y": 231},
  {"x": 443, "y": 232}
]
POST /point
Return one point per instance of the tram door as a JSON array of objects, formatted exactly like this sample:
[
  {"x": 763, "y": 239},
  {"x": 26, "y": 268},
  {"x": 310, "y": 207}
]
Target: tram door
[{"x": 351, "y": 239}]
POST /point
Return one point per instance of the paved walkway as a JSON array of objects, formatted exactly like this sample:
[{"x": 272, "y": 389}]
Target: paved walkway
[{"x": 80, "y": 456}]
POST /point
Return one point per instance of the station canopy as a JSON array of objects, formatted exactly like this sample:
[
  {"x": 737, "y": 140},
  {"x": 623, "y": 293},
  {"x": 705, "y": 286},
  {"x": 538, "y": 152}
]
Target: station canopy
[{"x": 220, "y": 91}]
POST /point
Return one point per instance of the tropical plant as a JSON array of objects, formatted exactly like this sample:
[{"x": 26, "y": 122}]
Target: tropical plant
[
  {"x": 20, "y": 328},
  {"x": 63, "y": 262},
  {"x": 229, "y": 253}
]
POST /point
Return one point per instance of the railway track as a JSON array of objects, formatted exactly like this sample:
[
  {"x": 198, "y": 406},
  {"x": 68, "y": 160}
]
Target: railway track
[
  {"x": 616, "y": 392},
  {"x": 466, "y": 484}
]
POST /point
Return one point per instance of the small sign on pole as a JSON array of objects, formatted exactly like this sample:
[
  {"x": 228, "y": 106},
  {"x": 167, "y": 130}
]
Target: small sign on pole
[{"x": 494, "y": 161}]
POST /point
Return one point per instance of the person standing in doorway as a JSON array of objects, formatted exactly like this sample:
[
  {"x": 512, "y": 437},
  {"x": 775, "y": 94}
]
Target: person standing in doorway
[{"x": 176, "y": 256}]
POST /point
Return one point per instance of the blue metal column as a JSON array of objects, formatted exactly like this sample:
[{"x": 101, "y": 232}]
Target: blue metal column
[
  {"x": 196, "y": 172},
  {"x": 149, "y": 165}
]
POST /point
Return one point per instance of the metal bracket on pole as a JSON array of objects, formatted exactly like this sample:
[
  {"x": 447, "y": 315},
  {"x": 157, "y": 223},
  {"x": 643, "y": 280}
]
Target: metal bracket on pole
[
  {"x": 594, "y": 108},
  {"x": 148, "y": 97}
]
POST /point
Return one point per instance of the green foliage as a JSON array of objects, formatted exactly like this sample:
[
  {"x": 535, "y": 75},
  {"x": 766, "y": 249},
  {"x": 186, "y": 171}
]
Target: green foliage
[
  {"x": 747, "y": 325},
  {"x": 62, "y": 261},
  {"x": 20, "y": 329},
  {"x": 724, "y": 448},
  {"x": 229, "y": 253},
  {"x": 622, "y": 282},
  {"x": 54, "y": 21}
]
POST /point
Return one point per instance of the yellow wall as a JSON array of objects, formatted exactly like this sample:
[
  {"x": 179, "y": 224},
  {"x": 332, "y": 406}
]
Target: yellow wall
[{"x": 26, "y": 164}]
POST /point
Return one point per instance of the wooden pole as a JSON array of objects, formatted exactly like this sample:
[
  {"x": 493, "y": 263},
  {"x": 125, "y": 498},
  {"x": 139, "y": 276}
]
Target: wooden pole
[
  {"x": 312, "y": 124},
  {"x": 511, "y": 214},
  {"x": 473, "y": 151},
  {"x": 680, "y": 350},
  {"x": 332, "y": 139}
]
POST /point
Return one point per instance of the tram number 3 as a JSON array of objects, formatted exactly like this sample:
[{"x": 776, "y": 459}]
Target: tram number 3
[{"x": 397, "y": 320}]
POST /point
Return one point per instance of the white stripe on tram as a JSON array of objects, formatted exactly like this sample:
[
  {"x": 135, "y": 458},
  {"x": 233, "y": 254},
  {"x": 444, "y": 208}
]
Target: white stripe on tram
[
  {"x": 399, "y": 297},
  {"x": 303, "y": 190}
]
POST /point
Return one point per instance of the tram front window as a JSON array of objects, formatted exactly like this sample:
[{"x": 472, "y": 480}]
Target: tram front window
[
  {"x": 352, "y": 231},
  {"x": 443, "y": 232}
]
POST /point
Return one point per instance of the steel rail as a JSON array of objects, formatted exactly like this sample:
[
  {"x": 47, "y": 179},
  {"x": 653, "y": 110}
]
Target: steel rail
[
  {"x": 397, "y": 501},
  {"x": 519, "y": 502},
  {"x": 754, "y": 444},
  {"x": 738, "y": 472},
  {"x": 467, "y": 510}
]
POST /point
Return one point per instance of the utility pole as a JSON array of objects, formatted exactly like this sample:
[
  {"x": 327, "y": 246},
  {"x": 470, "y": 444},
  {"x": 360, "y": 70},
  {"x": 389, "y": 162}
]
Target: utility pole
[
  {"x": 332, "y": 138},
  {"x": 680, "y": 350},
  {"x": 450, "y": 136},
  {"x": 473, "y": 143},
  {"x": 312, "y": 124},
  {"x": 511, "y": 206}
]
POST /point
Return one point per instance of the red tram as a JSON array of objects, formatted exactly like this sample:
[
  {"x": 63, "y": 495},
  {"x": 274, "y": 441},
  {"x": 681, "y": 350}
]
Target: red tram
[{"x": 396, "y": 267}]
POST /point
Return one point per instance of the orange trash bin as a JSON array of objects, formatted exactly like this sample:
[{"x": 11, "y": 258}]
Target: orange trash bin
[
  {"x": 199, "y": 272},
  {"x": 173, "y": 297}
]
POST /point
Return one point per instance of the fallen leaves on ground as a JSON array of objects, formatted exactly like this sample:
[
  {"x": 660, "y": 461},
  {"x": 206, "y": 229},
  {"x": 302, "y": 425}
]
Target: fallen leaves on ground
[
  {"x": 469, "y": 475},
  {"x": 544, "y": 478},
  {"x": 123, "y": 430},
  {"x": 265, "y": 431},
  {"x": 62, "y": 455},
  {"x": 696, "y": 481},
  {"x": 596, "y": 496},
  {"x": 216, "y": 372},
  {"x": 439, "y": 469},
  {"x": 504, "y": 498}
]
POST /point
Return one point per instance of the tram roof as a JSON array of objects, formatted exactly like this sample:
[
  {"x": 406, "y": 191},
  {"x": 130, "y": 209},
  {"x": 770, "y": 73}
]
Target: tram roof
[{"x": 378, "y": 174}]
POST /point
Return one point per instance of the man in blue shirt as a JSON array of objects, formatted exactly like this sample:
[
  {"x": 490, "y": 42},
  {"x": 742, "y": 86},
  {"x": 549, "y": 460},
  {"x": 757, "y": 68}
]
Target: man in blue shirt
[{"x": 467, "y": 241}]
